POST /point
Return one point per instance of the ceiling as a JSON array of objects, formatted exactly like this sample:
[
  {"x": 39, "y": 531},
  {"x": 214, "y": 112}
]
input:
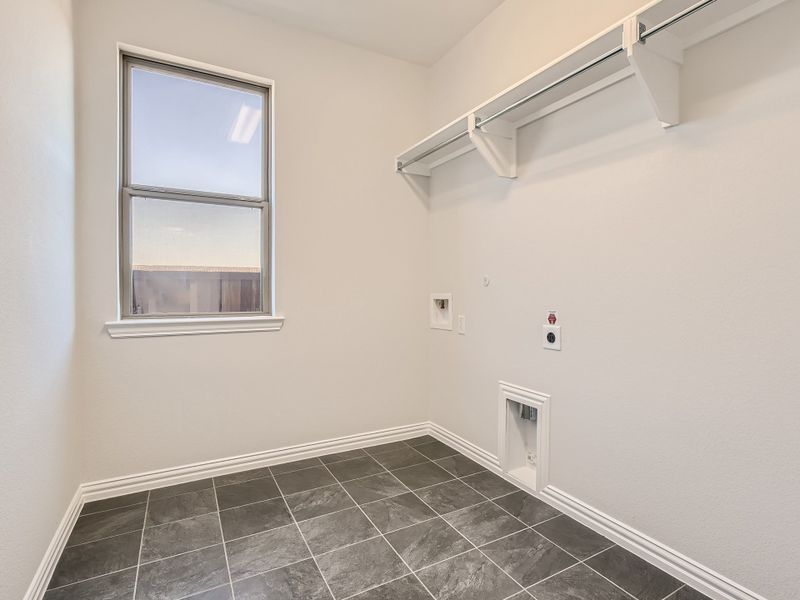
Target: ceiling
[{"x": 420, "y": 31}]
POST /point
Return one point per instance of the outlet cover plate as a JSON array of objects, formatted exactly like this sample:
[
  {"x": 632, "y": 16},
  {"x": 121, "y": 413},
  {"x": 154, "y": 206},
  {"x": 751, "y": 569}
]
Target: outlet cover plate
[{"x": 555, "y": 330}]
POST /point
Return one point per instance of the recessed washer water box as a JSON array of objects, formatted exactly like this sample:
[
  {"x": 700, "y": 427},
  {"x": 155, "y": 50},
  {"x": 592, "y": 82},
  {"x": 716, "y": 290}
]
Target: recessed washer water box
[
  {"x": 441, "y": 311},
  {"x": 524, "y": 421}
]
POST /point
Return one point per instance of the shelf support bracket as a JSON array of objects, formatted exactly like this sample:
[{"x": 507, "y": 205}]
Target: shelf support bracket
[
  {"x": 496, "y": 142},
  {"x": 657, "y": 64}
]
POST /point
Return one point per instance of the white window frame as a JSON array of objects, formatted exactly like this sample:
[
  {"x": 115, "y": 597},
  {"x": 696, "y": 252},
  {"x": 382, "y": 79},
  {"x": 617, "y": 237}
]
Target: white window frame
[{"x": 132, "y": 325}]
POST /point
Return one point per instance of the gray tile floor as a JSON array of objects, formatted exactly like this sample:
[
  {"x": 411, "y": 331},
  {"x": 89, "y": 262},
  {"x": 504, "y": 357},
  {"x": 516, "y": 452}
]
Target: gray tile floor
[{"x": 409, "y": 520}]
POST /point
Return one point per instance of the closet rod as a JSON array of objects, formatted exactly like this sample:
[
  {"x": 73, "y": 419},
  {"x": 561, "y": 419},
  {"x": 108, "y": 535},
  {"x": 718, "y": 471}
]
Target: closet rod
[
  {"x": 429, "y": 151},
  {"x": 675, "y": 18},
  {"x": 610, "y": 54},
  {"x": 517, "y": 104}
]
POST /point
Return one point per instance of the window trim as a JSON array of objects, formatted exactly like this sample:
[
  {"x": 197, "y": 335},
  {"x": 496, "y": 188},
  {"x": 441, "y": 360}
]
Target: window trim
[{"x": 128, "y": 57}]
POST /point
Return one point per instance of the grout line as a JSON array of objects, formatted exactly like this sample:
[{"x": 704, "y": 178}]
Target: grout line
[
  {"x": 195, "y": 594},
  {"x": 410, "y": 570},
  {"x": 66, "y": 585},
  {"x": 150, "y": 562},
  {"x": 100, "y": 539},
  {"x": 222, "y": 537},
  {"x": 97, "y": 512},
  {"x": 302, "y": 537},
  {"x": 141, "y": 545}
]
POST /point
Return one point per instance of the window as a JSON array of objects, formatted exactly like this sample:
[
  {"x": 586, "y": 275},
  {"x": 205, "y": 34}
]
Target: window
[{"x": 195, "y": 193}]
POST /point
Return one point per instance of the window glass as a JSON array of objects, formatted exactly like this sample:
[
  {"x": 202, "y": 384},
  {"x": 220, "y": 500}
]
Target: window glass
[
  {"x": 194, "y": 257},
  {"x": 192, "y": 134}
]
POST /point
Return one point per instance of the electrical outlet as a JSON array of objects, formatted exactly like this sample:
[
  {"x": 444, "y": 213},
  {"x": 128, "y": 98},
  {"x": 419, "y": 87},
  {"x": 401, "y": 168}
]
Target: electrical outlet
[
  {"x": 462, "y": 325},
  {"x": 551, "y": 337}
]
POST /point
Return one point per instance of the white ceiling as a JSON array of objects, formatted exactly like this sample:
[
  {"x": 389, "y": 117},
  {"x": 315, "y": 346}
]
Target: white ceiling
[{"x": 420, "y": 31}]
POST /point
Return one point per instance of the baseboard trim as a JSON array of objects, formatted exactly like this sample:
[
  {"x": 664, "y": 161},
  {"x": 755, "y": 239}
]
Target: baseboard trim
[
  {"x": 41, "y": 578},
  {"x": 117, "y": 486},
  {"x": 692, "y": 573},
  {"x": 702, "y": 578}
]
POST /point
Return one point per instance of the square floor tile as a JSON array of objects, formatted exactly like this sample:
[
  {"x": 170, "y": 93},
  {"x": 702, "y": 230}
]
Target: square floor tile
[
  {"x": 528, "y": 557},
  {"x": 356, "y": 568},
  {"x": 469, "y": 576},
  {"x": 116, "y": 586},
  {"x": 301, "y": 481},
  {"x": 254, "y": 518},
  {"x": 435, "y": 450},
  {"x": 489, "y": 484},
  {"x": 384, "y": 448},
  {"x": 573, "y": 537},
  {"x": 318, "y": 502},
  {"x": 374, "y": 488},
  {"x": 247, "y": 492},
  {"x": 184, "y": 506},
  {"x": 423, "y": 475},
  {"x": 426, "y": 543},
  {"x": 459, "y": 465},
  {"x": 300, "y": 581},
  {"x": 115, "y": 502},
  {"x": 242, "y": 476},
  {"x": 95, "y": 526},
  {"x": 181, "y": 488},
  {"x": 404, "y": 457},
  {"x": 335, "y": 530},
  {"x": 423, "y": 439},
  {"x": 296, "y": 465},
  {"x": 577, "y": 583},
  {"x": 449, "y": 496},
  {"x": 96, "y": 558},
  {"x": 483, "y": 523},
  {"x": 265, "y": 551},
  {"x": 180, "y": 536},
  {"x": 182, "y": 575},
  {"x": 355, "y": 468},
  {"x": 396, "y": 512},
  {"x": 633, "y": 574},
  {"x": 340, "y": 456},
  {"x": 526, "y": 508}
]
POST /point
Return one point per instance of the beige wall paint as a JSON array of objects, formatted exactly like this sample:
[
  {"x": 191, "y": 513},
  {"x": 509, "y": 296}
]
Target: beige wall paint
[
  {"x": 350, "y": 252},
  {"x": 38, "y": 442},
  {"x": 672, "y": 258}
]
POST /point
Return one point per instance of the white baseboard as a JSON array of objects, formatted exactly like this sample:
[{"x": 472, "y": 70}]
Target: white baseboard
[
  {"x": 117, "y": 486},
  {"x": 38, "y": 586},
  {"x": 690, "y": 572}
]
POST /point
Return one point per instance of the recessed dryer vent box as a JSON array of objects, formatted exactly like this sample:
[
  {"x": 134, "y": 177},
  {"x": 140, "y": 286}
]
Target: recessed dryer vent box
[
  {"x": 524, "y": 421},
  {"x": 441, "y": 310}
]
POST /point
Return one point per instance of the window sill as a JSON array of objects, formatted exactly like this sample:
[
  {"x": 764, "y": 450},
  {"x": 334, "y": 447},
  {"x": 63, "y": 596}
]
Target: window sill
[{"x": 132, "y": 328}]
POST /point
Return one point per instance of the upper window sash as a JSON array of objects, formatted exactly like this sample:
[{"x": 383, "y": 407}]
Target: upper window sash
[{"x": 241, "y": 94}]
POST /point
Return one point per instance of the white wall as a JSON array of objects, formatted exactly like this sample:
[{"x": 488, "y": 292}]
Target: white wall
[
  {"x": 39, "y": 469},
  {"x": 673, "y": 260},
  {"x": 350, "y": 252}
]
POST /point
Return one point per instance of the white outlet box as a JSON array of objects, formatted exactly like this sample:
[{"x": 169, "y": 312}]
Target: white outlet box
[{"x": 551, "y": 337}]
